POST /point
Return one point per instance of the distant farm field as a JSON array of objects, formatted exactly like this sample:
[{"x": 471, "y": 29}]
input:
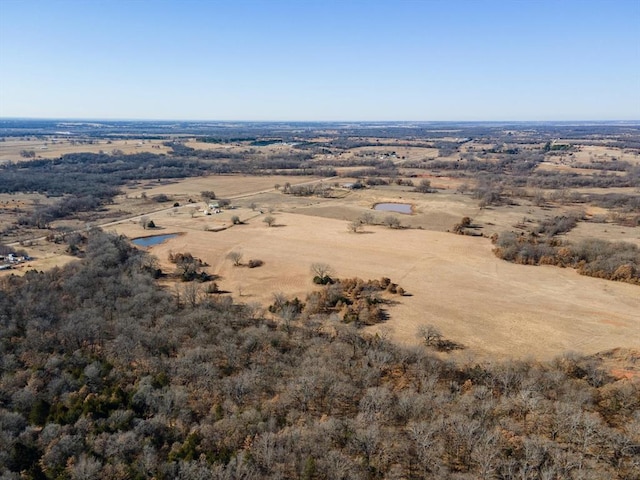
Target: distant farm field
[{"x": 11, "y": 148}]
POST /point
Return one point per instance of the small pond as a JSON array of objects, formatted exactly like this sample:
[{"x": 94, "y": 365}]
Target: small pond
[
  {"x": 153, "y": 240},
  {"x": 393, "y": 207}
]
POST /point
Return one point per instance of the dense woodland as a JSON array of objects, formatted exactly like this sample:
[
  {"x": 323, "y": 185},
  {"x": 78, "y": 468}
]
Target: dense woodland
[{"x": 104, "y": 374}]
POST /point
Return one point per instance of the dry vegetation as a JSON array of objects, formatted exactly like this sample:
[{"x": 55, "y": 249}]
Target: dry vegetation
[
  {"x": 407, "y": 352},
  {"x": 107, "y": 376}
]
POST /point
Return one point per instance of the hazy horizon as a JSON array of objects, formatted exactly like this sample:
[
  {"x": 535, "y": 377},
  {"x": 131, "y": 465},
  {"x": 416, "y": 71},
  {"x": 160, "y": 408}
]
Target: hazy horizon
[
  {"x": 285, "y": 121},
  {"x": 286, "y": 61}
]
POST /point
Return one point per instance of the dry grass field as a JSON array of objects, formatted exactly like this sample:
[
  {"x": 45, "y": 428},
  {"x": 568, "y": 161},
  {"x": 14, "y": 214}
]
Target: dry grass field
[
  {"x": 225, "y": 186},
  {"x": 496, "y": 309},
  {"x": 10, "y": 148}
]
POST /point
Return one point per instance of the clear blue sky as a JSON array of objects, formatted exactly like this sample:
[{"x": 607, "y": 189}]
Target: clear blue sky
[{"x": 321, "y": 60}]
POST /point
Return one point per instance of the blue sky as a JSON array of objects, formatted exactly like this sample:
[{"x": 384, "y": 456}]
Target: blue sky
[{"x": 321, "y": 60}]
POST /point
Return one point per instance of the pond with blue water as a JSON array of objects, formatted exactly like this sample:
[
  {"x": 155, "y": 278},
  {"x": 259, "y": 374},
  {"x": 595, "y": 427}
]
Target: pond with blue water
[
  {"x": 152, "y": 240},
  {"x": 404, "y": 208}
]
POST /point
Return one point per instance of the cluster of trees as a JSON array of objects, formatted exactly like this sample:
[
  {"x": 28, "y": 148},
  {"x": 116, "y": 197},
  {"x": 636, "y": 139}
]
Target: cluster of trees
[
  {"x": 253, "y": 162},
  {"x": 461, "y": 228},
  {"x": 554, "y": 179},
  {"x": 596, "y": 258},
  {"x": 104, "y": 375},
  {"x": 6, "y": 250},
  {"x": 43, "y": 215},
  {"x": 236, "y": 257},
  {"x": 189, "y": 268},
  {"x": 350, "y": 300},
  {"x": 541, "y": 246},
  {"x": 317, "y": 189},
  {"x": 92, "y": 174},
  {"x": 558, "y": 225},
  {"x": 518, "y": 169}
]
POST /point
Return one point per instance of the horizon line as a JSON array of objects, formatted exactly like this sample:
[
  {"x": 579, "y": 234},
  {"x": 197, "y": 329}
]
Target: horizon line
[{"x": 98, "y": 119}]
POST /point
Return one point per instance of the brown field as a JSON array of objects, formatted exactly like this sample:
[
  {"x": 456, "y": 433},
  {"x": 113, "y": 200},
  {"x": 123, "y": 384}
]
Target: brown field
[
  {"x": 225, "y": 186},
  {"x": 496, "y": 309},
  {"x": 561, "y": 167},
  {"x": 589, "y": 153},
  {"x": 10, "y": 148}
]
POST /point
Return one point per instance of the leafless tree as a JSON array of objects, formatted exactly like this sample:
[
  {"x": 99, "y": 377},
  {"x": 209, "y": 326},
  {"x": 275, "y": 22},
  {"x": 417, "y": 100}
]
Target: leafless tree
[
  {"x": 391, "y": 221},
  {"x": 367, "y": 218},
  {"x": 235, "y": 257},
  {"x": 321, "y": 269},
  {"x": 354, "y": 226},
  {"x": 430, "y": 334}
]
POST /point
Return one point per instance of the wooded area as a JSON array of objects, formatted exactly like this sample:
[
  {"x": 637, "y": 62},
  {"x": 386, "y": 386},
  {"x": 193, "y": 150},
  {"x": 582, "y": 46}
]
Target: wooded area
[{"x": 104, "y": 374}]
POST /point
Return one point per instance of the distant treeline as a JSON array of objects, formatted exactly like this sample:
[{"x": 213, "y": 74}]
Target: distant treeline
[
  {"x": 519, "y": 170},
  {"x": 94, "y": 174}
]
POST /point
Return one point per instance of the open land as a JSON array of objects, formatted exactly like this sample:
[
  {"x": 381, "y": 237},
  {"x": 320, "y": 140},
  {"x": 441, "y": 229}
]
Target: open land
[
  {"x": 493, "y": 308},
  {"x": 286, "y": 327}
]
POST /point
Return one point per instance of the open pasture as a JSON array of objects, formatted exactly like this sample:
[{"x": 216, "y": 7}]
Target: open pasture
[
  {"x": 10, "y": 148},
  {"x": 494, "y": 308}
]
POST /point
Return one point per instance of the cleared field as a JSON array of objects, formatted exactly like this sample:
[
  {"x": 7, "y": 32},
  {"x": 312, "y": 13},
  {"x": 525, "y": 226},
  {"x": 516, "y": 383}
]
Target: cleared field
[
  {"x": 10, "y": 148},
  {"x": 496, "y": 309},
  {"x": 605, "y": 231},
  {"x": 567, "y": 168},
  {"x": 225, "y": 186},
  {"x": 589, "y": 153}
]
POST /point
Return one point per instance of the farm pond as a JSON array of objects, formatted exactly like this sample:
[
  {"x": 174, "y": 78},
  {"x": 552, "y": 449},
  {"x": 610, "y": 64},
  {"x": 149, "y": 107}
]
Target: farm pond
[
  {"x": 152, "y": 240},
  {"x": 393, "y": 207}
]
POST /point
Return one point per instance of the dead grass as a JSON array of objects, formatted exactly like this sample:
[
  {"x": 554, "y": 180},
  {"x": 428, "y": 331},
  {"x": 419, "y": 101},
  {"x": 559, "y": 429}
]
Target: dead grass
[
  {"x": 225, "y": 186},
  {"x": 10, "y": 148},
  {"x": 494, "y": 308}
]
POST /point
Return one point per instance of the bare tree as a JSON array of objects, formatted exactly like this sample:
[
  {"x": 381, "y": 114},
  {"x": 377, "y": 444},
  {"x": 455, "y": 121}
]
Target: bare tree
[
  {"x": 354, "y": 226},
  {"x": 191, "y": 294},
  {"x": 424, "y": 186},
  {"x": 430, "y": 334},
  {"x": 391, "y": 221},
  {"x": 367, "y": 218},
  {"x": 321, "y": 269},
  {"x": 270, "y": 220},
  {"x": 235, "y": 257}
]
